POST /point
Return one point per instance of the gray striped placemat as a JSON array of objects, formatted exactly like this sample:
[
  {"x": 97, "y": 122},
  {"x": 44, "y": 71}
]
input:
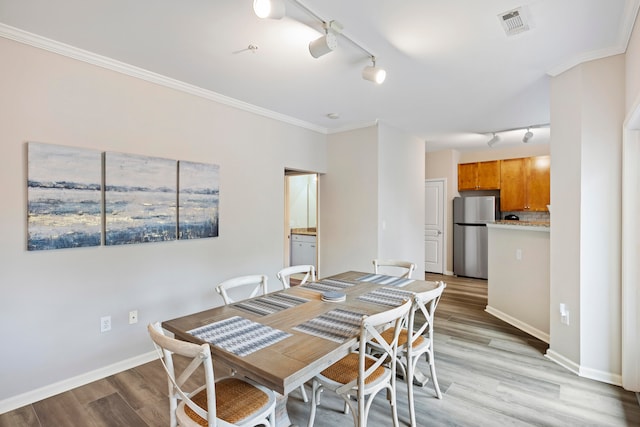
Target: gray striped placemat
[
  {"x": 336, "y": 325},
  {"x": 269, "y": 304},
  {"x": 382, "y": 279},
  {"x": 387, "y": 296},
  {"x": 328, "y": 285},
  {"x": 239, "y": 335}
]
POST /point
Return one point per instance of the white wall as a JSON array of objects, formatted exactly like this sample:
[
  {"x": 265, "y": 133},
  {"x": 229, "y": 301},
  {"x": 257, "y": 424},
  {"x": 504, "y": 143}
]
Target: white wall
[
  {"x": 401, "y": 197},
  {"x": 52, "y": 301}
]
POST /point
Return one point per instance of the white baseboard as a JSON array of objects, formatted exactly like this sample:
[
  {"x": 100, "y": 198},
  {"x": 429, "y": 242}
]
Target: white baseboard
[
  {"x": 32, "y": 396},
  {"x": 563, "y": 361},
  {"x": 592, "y": 374},
  {"x": 518, "y": 324}
]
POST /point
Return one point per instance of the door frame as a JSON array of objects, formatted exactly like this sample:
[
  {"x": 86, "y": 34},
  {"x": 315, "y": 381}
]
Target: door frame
[
  {"x": 630, "y": 312},
  {"x": 287, "y": 217}
]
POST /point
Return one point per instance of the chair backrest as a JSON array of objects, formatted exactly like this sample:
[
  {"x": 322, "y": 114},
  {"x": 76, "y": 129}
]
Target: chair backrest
[
  {"x": 259, "y": 282},
  {"x": 404, "y": 267},
  {"x": 369, "y": 331},
  {"x": 426, "y": 303},
  {"x": 284, "y": 275},
  {"x": 200, "y": 355}
]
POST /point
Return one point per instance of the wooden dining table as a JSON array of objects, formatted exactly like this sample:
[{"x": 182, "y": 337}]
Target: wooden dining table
[{"x": 285, "y": 365}]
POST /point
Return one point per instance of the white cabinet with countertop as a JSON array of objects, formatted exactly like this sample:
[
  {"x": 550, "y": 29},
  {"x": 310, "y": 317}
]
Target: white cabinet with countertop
[{"x": 303, "y": 249}]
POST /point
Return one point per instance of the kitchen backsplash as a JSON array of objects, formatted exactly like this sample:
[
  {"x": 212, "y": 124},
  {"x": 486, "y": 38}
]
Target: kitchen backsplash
[{"x": 528, "y": 216}]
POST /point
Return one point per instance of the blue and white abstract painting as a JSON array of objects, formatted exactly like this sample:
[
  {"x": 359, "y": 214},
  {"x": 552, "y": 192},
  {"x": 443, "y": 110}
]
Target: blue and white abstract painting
[
  {"x": 140, "y": 199},
  {"x": 199, "y": 198},
  {"x": 64, "y": 197}
]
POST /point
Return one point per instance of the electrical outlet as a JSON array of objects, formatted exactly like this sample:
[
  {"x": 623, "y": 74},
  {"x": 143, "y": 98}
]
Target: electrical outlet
[
  {"x": 564, "y": 314},
  {"x": 518, "y": 254},
  {"x": 133, "y": 317},
  {"x": 105, "y": 323}
]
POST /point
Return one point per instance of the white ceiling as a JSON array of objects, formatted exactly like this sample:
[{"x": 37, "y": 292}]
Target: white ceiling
[{"x": 453, "y": 76}]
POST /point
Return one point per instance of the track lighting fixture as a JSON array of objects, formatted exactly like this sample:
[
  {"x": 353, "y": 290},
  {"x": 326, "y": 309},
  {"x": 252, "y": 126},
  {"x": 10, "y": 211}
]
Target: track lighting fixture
[
  {"x": 495, "y": 138},
  {"x": 526, "y": 138},
  {"x": 275, "y": 9},
  {"x": 272, "y": 9},
  {"x": 323, "y": 45},
  {"x": 373, "y": 73}
]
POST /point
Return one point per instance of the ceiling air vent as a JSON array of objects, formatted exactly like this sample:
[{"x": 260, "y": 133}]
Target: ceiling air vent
[{"x": 514, "y": 21}]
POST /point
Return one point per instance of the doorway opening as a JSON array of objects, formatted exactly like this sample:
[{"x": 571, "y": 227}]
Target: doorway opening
[{"x": 301, "y": 218}]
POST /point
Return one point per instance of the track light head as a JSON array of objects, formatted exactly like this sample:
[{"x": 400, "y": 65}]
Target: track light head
[
  {"x": 495, "y": 138},
  {"x": 272, "y": 9},
  {"x": 373, "y": 73},
  {"x": 323, "y": 45},
  {"x": 527, "y": 136}
]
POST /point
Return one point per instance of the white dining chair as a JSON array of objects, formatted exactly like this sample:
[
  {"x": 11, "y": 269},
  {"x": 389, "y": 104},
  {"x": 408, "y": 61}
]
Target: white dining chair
[
  {"x": 257, "y": 285},
  {"x": 402, "y": 269},
  {"x": 285, "y": 274},
  {"x": 359, "y": 376},
  {"x": 414, "y": 341},
  {"x": 226, "y": 402}
]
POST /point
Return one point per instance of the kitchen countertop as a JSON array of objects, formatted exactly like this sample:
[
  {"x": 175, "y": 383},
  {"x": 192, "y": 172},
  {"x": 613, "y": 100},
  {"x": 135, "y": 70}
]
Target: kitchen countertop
[
  {"x": 522, "y": 225},
  {"x": 305, "y": 231}
]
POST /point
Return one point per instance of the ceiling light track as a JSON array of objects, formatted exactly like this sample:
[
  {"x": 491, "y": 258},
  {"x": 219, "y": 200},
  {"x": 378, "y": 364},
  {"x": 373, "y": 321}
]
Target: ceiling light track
[
  {"x": 526, "y": 138},
  {"x": 275, "y": 9}
]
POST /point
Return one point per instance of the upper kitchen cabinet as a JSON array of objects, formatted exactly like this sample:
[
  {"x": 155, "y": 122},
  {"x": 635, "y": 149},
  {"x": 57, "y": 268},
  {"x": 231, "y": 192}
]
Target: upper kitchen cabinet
[
  {"x": 479, "y": 176},
  {"x": 525, "y": 184}
]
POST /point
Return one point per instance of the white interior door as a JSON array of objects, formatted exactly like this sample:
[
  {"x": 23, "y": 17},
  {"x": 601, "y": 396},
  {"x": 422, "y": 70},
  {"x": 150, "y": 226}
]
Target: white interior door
[{"x": 434, "y": 226}]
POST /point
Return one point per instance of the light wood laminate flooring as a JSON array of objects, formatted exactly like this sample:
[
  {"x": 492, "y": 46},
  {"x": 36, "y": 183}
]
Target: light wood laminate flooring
[{"x": 490, "y": 374}]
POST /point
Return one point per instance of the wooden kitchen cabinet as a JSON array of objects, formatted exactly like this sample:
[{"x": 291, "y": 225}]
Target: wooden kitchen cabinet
[
  {"x": 479, "y": 176},
  {"x": 525, "y": 184}
]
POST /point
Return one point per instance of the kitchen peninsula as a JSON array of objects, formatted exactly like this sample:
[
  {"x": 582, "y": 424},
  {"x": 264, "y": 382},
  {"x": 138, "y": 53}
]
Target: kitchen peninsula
[{"x": 518, "y": 279}]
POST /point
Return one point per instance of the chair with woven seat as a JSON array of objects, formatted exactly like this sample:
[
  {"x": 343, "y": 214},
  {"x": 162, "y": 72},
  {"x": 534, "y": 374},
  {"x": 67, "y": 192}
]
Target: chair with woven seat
[
  {"x": 227, "y": 402},
  {"x": 285, "y": 274},
  {"x": 421, "y": 342},
  {"x": 256, "y": 283},
  {"x": 358, "y": 377},
  {"x": 399, "y": 268}
]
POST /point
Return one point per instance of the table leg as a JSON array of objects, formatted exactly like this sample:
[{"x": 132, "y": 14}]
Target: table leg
[
  {"x": 282, "y": 415},
  {"x": 420, "y": 379}
]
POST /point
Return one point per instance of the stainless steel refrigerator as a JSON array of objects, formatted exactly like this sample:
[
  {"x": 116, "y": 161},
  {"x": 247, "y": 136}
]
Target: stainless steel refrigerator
[{"x": 470, "y": 235}]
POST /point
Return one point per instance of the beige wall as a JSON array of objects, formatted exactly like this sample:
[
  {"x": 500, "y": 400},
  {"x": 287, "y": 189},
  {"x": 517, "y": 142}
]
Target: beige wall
[
  {"x": 444, "y": 164},
  {"x": 523, "y": 150},
  {"x": 519, "y": 288},
  {"x": 372, "y": 199},
  {"x": 52, "y": 301},
  {"x": 631, "y": 229},
  {"x": 632, "y": 70},
  {"x": 587, "y": 107},
  {"x": 348, "y": 197}
]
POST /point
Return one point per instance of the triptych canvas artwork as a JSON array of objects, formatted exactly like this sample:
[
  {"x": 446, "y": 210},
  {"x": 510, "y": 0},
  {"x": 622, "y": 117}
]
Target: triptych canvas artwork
[{"x": 78, "y": 196}]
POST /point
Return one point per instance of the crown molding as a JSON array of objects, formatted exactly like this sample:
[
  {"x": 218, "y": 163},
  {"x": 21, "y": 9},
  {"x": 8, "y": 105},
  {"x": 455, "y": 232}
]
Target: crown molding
[
  {"x": 354, "y": 126},
  {"x": 626, "y": 29},
  {"x": 69, "y": 51}
]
